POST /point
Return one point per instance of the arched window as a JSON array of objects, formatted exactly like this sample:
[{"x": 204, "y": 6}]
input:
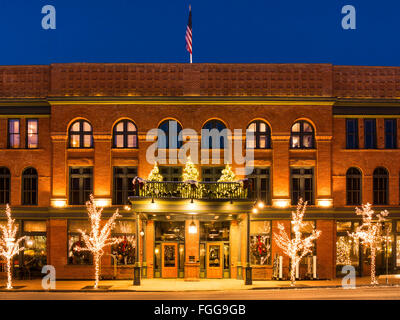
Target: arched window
[
  {"x": 381, "y": 186},
  {"x": 5, "y": 178},
  {"x": 29, "y": 187},
  {"x": 353, "y": 186},
  {"x": 81, "y": 135},
  {"x": 125, "y": 135},
  {"x": 302, "y": 135},
  {"x": 258, "y": 135},
  {"x": 214, "y": 135},
  {"x": 171, "y": 130}
]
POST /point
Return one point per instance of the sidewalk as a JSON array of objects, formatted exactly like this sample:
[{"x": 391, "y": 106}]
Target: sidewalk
[{"x": 157, "y": 285}]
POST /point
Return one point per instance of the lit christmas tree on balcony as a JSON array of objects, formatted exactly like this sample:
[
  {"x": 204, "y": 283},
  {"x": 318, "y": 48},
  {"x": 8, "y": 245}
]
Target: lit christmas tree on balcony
[
  {"x": 227, "y": 174},
  {"x": 98, "y": 238},
  {"x": 154, "y": 174},
  {"x": 370, "y": 232},
  {"x": 297, "y": 247},
  {"x": 190, "y": 172},
  {"x": 9, "y": 245}
]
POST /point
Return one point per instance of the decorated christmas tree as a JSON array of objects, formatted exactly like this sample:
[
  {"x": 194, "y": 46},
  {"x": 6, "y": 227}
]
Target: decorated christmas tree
[
  {"x": 296, "y": 247},
  {"x": 154, "y": 174},
  {"x": 190, "y": 172},
  {"x": 227, "y": 174},
  {"x": 98, "y": 237},
  {"x": 9, "y": 244},
  {"x": 370, "y": 233}
]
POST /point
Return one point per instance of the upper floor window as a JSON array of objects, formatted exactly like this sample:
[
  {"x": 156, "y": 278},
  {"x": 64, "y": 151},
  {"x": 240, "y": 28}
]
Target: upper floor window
[
  {"x": 29, "y": 186},
  {"x": 14, "y": 133},
  {"x": 369, "y": 133},
  {"x": 351, "y": 133},
  {"x": 258, "y": 135},
  {"x": 5, "y": 182},
  {"x": 260, "y": 185},
  {"x": 125, "y": 135},
  {"x": 122, "y": 188},
  {"x": 81, "y": 135},
  {"x": 80, "y": 185},
  {"x": 171, "y": 173},
  {"x": 390, "y": 133},
  {"x": 211, "y": 173},
  {"x": 380, "y": 186},
  {"x": 168, "y": 138},
  {"x": 302, "y": 135},
  {"x": 302, "y": 185},
  {"x": 353, "y": 187},
  {"x": 214, "y": 135},
  {"x": 32, "y": 133}
]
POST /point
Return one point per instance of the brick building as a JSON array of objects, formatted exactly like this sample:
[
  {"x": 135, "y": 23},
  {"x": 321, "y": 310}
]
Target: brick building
[{"x": 321, "y": 132}]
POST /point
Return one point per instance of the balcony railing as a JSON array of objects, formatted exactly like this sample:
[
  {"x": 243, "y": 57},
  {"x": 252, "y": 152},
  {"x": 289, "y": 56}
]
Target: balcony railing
[{"x": 185, "y": 190}]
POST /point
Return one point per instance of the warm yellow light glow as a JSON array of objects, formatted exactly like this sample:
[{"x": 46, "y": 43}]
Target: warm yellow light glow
[
  {"x": 281, "y": 203},
  {"x": 127, "y": 208},
  {"x": 191, "y": 206},
  {"x": 192, "y": 228},
  {"x": 59, "y": 203},
  {"x": 260, "y": 204},
  {"x": 325, "y": 203},
  {"x": 255, "y": 210},
  {"x": 156, "y": 251},
  {"x": 103, "y": 202}
]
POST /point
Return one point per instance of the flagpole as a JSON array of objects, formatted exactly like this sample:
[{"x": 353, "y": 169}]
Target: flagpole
[
  {"x": 190, "y": 10},
  {"x": 190, "y": 58}
]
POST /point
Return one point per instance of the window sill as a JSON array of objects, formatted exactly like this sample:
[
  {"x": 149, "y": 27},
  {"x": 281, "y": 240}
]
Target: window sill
[
  {"x": 80, "y": 149},
  {"x": 370, "y": 150},
  {"x": 302, "y": 150},
  {"x": 21, "y": 149}
]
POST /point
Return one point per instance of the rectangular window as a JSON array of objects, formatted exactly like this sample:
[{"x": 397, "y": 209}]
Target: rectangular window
[
  {"x": 171, "y": 173},
  {"x": 14, "y": 133},
  {"x": 211, "y": 173},
  {"x": 302, "y": 185},
  {"x": 259, "y": 188},
  {"x": 390, "y": 133},
  {"x": 32, "y": 133},
  {"x": 260, "y": 242},
  {"x": 80, "y": 185},
  {"x": 75, "y": 241},
  {"x": 124, "y": 251},
  {"x": 122, "y": 187},
  {"x": 369, "y": 133},
  {"x": 351, "y": 133}
]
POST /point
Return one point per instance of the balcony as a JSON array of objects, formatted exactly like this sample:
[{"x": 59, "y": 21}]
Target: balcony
[{"x": 191, "y": 190}]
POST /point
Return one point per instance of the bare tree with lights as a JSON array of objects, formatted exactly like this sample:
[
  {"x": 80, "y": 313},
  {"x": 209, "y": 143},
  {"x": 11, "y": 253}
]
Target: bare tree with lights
[
  {"x": 98, "y": 238},
  {"x": 370, "y": 232},
  {"x": 297, "y": 247},
  {"x": 9, "y": 245}
]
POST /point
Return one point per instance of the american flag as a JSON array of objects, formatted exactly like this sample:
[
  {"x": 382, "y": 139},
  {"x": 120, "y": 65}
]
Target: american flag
[{"x": 188, "y": 36}]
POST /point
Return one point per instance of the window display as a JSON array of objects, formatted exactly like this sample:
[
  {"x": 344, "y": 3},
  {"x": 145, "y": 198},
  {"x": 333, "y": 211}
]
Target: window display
[
  {"x": 124, "y": 251},
  {"x": 75, "y": 241},
  {"x": 260, "y": 242}
]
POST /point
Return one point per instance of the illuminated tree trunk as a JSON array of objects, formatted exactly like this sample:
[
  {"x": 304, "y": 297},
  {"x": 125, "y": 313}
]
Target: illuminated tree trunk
[
  {"x": 97, "y": 270},
  {"x": 9, "y": 278},
  {"x": 293, "y": 273},
  {"x": 373, "y": 254}
]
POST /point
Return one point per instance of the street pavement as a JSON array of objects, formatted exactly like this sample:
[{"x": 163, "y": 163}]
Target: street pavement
[{"x": 362, "y": 293}]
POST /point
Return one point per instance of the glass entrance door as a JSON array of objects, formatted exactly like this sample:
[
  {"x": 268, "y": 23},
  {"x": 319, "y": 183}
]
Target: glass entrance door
[
  {"x": 215, "y": 260},
  {"x": 169, "y": 254}
]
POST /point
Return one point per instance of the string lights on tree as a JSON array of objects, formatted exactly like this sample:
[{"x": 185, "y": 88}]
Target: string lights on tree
[
  {"x": 9, "y": 245},
  {"x": 98, "y": 238},
  {"x": 227, "y": 174},
  {"x": 190, "y": 173},
  {"x": 370, "y": 233},
  {"x": 154, "y": 174},
  {"x": 297, "y": 247}
]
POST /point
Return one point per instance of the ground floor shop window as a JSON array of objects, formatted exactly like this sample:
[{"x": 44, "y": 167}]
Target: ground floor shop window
[
  {"x": 34, "y": 256},
  {"x": 75, "y": 241},
  {"x": 124, "y": 252},
  {"x": 347, "y": 248},
  {"x": 260, "y": 242}
]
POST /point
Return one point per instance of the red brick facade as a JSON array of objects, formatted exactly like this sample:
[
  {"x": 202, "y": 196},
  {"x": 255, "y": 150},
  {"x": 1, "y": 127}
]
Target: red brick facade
[{"x": 237, "y": 94}]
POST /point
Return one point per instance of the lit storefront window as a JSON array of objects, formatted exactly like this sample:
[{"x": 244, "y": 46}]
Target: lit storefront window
[
  {"x": 75, "y": 241},
  {"x": 260, "y": 242},
  {"x": 35, "y": 244},
  {"x": 347, "y": 248},
  {"x": 124, "y": 251}
]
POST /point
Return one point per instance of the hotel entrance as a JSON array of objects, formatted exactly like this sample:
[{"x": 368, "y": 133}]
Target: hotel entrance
[
  {"x": 214, "y": 250},
  {"x": 169, "y": 250}
]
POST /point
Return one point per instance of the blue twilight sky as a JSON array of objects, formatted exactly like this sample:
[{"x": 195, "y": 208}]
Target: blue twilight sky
[{"x": 264, "y": 31}]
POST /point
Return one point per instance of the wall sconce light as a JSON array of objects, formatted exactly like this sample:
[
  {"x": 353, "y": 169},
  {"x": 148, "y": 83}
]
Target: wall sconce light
[
  {"x": 325, "y": 203},
  {"x": 260, "y": 204},
  {"x": 127, "y": 208},
  {"x": 281, "y": 203},
  {"x": 141, "y": 233},
  {"x": 59, "y": 203},
  {"x": 192, "y": 227},
  {"x": 254, "y": 210}
]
